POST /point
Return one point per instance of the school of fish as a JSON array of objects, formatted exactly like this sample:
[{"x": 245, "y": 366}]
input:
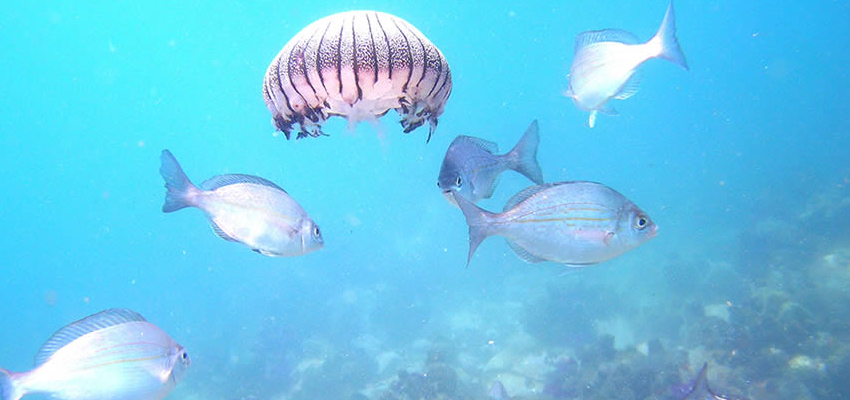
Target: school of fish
[{"x": 359, "y": 65}]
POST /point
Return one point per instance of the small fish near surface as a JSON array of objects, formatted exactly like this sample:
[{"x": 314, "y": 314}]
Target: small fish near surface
[
  {"x": 114, "y": 354},
  {"x": 245, "y": 209},
  {"x": 699, "y": 389},
  {"x": 575, "y": 223},
  {"x": 471, "y": 166},
  {"x": 605, "y": 62}
]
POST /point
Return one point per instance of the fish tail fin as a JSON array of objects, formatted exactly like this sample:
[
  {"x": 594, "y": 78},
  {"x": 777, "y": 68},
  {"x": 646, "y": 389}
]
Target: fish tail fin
[
  {"x": 179, "y": 189},
  {"x": 479, "y": 221},
  {"x": 8, "y": 390},
  {"x": 669, "y": 44},
  {"x": 524, "y": 154}
]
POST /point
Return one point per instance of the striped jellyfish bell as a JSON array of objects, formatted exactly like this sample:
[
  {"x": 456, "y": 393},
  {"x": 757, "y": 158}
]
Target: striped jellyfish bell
[{"x": 359, "y": 65}]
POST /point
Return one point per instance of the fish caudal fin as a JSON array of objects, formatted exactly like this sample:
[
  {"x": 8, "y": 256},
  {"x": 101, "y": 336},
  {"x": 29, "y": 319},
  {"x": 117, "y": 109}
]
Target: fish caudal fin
[
  {"x": 524, "y": 154},
  {"x": 8, "y": 390},
  {"x": 180, "y": 190},
  {"x": 479, "y": 221},
  {"x": 666, "y": 38}
]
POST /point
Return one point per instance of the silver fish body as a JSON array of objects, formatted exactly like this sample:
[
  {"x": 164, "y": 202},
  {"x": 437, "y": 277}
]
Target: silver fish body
[
  {"x": 605, "y": 63},
  {"x": 575, "y": 223},
  {"x": 244, "y": 209},
  {"x": 357, "y": 64},
  {"x": 114, "y": 354},
  {"x": 470, "y": 167}
]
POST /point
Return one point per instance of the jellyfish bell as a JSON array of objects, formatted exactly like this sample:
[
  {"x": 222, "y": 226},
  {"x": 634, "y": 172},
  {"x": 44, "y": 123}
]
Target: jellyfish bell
[{"x": 358, "y": 65}]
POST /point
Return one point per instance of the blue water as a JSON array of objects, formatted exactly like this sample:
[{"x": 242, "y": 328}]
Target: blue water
[{"x": 741, "y": 161}]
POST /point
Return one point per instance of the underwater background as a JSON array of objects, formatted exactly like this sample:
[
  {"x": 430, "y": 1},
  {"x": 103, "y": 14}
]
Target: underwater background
[{"x": 741, "y": 161}]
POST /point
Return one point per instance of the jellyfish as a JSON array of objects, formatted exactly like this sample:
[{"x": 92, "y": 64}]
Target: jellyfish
[{"x": 358, "y": 65}]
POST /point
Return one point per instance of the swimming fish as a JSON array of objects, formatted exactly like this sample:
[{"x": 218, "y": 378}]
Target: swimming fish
[
  {"x": 604, "y": 64},
  {"x": 699, "y": 390},
  {"x": 114, "y": 354},
  {"x": 471, "y": 167},
  {"x": 245, "y": 209},
  {"x": 576, "y": 223}
]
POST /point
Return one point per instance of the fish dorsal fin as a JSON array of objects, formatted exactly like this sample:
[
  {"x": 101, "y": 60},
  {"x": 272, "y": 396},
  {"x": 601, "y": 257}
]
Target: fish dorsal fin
[
  {"x": 485, "y": 145},
  {"x": 524, "y": 194},
  {"x": 522, "y": 253},
  {"x": 92, "y": 323},
  {"x": 219, "y": 181},
  {"x": 606, "y": 35},
  {"x": 629, "y": 88},
  {"x": 220, "y": 232}
]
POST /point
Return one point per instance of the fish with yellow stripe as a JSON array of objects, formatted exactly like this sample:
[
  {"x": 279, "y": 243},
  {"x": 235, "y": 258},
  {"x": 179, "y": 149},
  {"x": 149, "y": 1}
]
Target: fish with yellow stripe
[
  {"x": 575, "y": 223},
  {"x": 115, "y": 354},
  {"x": 244, "y": 208}
]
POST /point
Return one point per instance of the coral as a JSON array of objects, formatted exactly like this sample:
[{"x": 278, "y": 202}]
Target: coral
[
  {"x": 439, "y": 382},
  {"x": 598, "y": 352},
  {"x": 342, "y": 374},
  {"x": 602, "y": 372},
  {"x": 711, "y": 332}
]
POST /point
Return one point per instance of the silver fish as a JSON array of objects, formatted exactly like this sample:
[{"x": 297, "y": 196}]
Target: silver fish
[
  {"x": 359, "y": 65},
  {"x": 700, "y": 390},
  {"x": 471, "y": 167},
  {"x": 605, "y": 62},
  {"x": 245, "y": 209},
  {"x": 114, "y": 354},
  {"x": 575, "y": 223}
]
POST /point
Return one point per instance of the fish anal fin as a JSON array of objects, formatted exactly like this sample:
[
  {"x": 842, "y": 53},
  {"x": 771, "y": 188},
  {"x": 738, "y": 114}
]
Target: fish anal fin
[{"x": 522, "y": 253}]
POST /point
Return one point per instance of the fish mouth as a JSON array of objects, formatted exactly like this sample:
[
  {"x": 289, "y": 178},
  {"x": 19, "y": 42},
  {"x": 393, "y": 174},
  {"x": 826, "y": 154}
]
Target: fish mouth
[{"x": 653, "y": 231}]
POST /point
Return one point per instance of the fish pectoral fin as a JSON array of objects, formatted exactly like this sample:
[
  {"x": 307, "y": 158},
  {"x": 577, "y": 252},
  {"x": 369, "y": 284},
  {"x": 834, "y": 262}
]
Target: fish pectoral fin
[
  {"x": 608, "y": 237},
  {"x": 220, "y": 232},
  {"x": 630, "y": 88},
  {"x": 266, "y": 253},
  {"x": 491, "y": 188},
  {"x": 523, "y": 253}
]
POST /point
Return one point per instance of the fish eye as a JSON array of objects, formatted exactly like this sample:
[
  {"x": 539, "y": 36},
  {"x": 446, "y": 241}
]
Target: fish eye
[
  {"x": 438, "y": 185},
  {"x": 458, "y": 181},
  {"x": 185, "y": 356},
  {"x": 641, "y": 222},
  {"x": 316, "y": 230}
]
